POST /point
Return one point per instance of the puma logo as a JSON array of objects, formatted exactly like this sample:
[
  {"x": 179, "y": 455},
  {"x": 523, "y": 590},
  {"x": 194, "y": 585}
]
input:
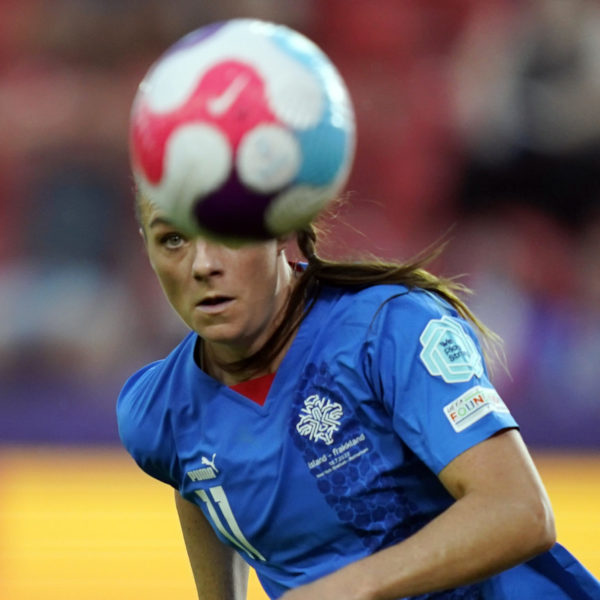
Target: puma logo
[{"x": 210, "y": 463}]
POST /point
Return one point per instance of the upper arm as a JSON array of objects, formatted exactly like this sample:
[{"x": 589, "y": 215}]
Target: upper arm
[
  {"x": 500, "y": 463},
  {"x": 501, "y": 471},
  {"x": 219, "y": 572}
]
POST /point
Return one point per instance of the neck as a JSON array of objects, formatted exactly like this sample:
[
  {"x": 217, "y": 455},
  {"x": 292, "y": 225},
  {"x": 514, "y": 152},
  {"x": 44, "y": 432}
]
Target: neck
[{"x": 219, "y": 370}]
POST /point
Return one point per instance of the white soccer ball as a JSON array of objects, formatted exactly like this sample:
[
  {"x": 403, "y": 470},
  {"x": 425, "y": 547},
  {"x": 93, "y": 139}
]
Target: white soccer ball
[{"x": 243, "y": 129}]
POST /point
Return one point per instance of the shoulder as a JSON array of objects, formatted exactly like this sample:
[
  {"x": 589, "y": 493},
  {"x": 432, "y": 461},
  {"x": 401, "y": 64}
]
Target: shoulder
[
  {"x": 378, "y": 305},
  {"x": 380, "y": 319},
  {"x": 141, "y": 390},
  {"x": 420, "y": 339},
  {"x": 135, "y": 401},
  {"x": 395, "y": 325},
  {"x": 144, "y": 409},
  {"x": 419, "y": 321}
]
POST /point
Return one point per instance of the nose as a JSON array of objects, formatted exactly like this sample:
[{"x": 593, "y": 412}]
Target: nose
[{"x": 206, "y": 260}]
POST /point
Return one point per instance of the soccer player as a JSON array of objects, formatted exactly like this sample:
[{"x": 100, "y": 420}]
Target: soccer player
[{"x": 333, "y": 425}]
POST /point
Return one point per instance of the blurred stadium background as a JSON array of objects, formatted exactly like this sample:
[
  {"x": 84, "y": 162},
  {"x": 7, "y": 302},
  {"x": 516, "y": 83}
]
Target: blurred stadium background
[{"x": 476, "y": 120}]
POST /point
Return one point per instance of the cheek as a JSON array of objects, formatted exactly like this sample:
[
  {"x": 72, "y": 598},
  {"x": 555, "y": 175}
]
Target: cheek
[
  {"x": 266, "y": 285},
  {"x": 169, "y": 286},
  {"x": 263, "y": 273},
  {"x": 167, "y": 278},
  {"x": 253, "y": 264}
]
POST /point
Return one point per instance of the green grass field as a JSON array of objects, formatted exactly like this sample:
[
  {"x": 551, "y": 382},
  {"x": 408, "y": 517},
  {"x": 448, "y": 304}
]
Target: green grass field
[{"x": 86, "y": 524}]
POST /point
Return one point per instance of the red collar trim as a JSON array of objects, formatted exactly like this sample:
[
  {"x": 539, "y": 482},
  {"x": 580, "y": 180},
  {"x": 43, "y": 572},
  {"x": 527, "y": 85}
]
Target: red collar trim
[{"x": 255, "y": 389}]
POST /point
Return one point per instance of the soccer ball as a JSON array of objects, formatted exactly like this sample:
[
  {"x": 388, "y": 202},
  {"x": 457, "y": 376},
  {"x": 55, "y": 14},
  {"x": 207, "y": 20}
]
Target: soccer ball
[{"x": 242, "y": 129}]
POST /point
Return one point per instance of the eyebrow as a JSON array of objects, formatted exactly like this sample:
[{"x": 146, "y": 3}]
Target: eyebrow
[{"x": 160, "y": 221}]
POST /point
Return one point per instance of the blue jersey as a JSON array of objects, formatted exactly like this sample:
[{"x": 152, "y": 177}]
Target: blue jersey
[{"x": 378, "y": 392}]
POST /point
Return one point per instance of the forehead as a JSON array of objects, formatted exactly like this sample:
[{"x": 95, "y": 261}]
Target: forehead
[
  {"x": 146, "y": 211},
  {"x": 149, "y": 216}
]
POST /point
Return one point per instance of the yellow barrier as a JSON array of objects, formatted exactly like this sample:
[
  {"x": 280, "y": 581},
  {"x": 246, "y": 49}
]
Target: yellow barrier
[{"x": 81, "y": 524}]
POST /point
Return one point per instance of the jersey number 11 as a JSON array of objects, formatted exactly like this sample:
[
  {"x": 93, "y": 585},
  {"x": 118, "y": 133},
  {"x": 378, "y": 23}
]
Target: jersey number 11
[{"x": 234, "y": 535}]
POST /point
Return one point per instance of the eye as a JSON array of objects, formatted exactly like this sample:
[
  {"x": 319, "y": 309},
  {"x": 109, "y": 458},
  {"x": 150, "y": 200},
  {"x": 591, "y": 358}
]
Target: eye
[{"x": 172, "y": 240}]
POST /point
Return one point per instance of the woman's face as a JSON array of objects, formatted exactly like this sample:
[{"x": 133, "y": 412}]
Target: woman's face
[{"x": 229, "y": 295}]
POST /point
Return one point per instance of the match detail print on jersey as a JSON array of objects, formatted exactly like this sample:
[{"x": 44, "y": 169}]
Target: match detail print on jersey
[{"x": 448, "y": 352}]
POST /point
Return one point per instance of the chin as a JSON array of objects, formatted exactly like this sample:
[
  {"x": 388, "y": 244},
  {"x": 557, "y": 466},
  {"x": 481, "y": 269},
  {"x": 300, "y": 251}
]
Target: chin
[{"x": 219, "y": 334}]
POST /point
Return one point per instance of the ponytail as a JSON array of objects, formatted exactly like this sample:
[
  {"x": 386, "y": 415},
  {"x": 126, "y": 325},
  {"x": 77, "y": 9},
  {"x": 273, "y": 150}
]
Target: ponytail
[{"x": 320, "y": 272}]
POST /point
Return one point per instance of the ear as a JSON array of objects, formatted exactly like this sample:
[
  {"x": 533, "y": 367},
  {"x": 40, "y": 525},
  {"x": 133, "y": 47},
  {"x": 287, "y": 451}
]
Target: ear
[
  {"x": 283, "y": 243},
  {"x": 143, "y": 235}
]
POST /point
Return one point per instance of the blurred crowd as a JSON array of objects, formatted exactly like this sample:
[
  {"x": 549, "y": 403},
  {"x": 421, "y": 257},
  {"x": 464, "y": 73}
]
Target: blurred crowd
[{"x": 478, "y": 122}]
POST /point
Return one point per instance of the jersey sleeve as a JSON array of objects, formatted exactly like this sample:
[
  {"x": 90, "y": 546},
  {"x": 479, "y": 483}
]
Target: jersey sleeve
[
  {"x": 144, "y": 425},
  {"x": 428, "y": 368}
]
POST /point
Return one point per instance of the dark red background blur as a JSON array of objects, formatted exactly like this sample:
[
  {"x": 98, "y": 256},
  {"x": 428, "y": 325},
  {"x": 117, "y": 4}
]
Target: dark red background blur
[{"x": 477, "y": 121}]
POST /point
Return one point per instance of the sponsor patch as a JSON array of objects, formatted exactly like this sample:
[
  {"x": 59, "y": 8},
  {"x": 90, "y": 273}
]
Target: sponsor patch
[
  {"x": 473, "y": 405},
  {"x": 448, "y": 352}
]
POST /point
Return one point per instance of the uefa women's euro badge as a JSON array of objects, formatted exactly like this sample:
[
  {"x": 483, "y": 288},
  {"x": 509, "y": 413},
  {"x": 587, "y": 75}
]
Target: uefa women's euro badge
[{"x": 448, "y": 352}]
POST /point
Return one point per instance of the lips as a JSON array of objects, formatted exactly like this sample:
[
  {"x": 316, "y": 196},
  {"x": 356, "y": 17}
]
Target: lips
[
  {"x": 214, "y": 300},
  {"x": 214, "y": 304}
]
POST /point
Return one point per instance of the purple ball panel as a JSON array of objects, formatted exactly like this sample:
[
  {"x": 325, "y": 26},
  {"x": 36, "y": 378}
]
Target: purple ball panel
[{"x": 235, "y": 211}]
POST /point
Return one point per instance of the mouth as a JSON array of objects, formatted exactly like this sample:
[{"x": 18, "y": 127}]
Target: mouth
[{"x": 214, "y": 304}]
